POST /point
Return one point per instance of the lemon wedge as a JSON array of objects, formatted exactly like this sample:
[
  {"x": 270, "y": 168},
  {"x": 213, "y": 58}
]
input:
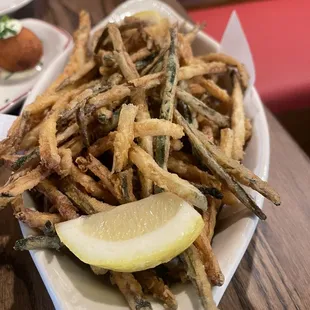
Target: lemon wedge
[{"x": 133, "y": 236}]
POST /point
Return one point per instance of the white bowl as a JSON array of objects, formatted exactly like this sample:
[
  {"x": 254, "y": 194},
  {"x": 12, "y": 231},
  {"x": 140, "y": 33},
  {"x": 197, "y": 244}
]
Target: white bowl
[
  {"x": 72, "y": 285},
  {"x": 9, "y": 6}
]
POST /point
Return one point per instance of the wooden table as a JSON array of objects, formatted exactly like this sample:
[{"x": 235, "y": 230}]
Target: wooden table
[{"x": 273, "y": 274}]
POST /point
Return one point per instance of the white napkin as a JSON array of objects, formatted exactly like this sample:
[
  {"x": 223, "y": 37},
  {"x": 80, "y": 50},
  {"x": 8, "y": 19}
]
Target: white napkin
[
  {"x": 5, "y": 123},
  {"x": 235, "y": 44}
]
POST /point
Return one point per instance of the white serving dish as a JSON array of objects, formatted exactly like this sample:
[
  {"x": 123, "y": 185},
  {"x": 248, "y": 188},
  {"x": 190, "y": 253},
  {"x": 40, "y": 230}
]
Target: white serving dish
[
  {"x": 55, "y": 41},
  {"x": 9, "y": 6},
  {"x": 72, "y": 285}
]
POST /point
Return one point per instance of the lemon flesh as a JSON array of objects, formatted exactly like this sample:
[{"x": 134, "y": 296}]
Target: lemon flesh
[{"x": 134, "y": 236}]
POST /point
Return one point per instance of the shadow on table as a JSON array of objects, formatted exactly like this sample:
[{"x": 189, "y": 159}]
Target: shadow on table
[
  {"x": 21, "y": 285},
  {"x": 27, "y": 11},
  {"x": 298, "y": 130},
  {"x": 237, "y": 291}
]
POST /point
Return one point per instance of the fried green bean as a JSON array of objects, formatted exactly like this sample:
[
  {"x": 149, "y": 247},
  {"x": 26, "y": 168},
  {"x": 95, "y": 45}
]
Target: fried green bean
[
  {"x": 231, "y": 62},
  {"x": 191, "y": 172},
  {"x": 168, "y": 181},
  {"x": 138, "y": 97},
  {"x": 143, "y": 63},
  {"x": 124, "y": 137},
  {"x": 37, "y": 243},
  {"x": 58, "y": 199},
  {"x": 197, "y": 275},
  {"x": 159, "y": 58},
  {"x": 82, "y": 123},
  {"x": 216, "y": 169},
  {"x": 237, "y": 120},
  {"x": 92, "y": 187},
  {"x": 123, "y": 184},
  {"x": 112, "y": 123},
  {"x": 37, "y": 219},
  {"x": 185, "y": 111},
  {"x": 115, "y": 79},
  {"x": 214, "y": 90},
  {"x": 209, "y": 260},
  {"x": 76, "y": 145},
  {"x": 22, "y": 161},
  {"x": 103, "y": 115},
  {"x": 115, "y": 94},
  {"x": 162, "y": 143},
  {"x": 241, "y": 173},
  {"x": 141, "y": 54},
  {"x": 211, "y": 191},
  {"x": 153, "y": 284},
  {"x": 86, "y": 203},
  {"x": 66, "y": 163},
  {"x": 198, "y": 106},
  {"x": 131, "y": 290},
  {"x": 89, "y": 67},
  {"x": 102, "y": 172},
  {"x": 87, "y": 95},
  {"x": 26, "y": 182},
  {"x": 185, "y": 73},
  {"x": 49, "y": 229},
  {"x": 34, "y": 156}
]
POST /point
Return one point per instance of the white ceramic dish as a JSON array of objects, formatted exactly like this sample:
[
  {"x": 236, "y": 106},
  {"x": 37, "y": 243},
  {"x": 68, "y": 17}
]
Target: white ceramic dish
[
  {"x": 9, "y": 6},
  {"x": 71, "y": 285},
  {"x": 55, "y": 41}
]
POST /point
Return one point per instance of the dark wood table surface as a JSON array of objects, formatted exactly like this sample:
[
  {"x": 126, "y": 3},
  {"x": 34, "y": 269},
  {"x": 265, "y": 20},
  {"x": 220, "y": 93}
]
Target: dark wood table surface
[{"x": 275, "y": 271}]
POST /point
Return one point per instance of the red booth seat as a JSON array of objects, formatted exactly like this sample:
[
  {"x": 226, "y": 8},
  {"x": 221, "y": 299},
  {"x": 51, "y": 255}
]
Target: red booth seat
[{"x": 278, "y": 34}]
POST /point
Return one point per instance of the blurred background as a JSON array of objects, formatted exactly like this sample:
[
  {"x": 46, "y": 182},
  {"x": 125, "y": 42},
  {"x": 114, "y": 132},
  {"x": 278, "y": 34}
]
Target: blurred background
[
  {"x": 209, "y": 3},
  {"x": 277, "y": 34}
]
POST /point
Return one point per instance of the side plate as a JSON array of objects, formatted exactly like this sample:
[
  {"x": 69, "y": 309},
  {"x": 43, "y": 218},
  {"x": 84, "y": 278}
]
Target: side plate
[{"x": 15, "y": 87}]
